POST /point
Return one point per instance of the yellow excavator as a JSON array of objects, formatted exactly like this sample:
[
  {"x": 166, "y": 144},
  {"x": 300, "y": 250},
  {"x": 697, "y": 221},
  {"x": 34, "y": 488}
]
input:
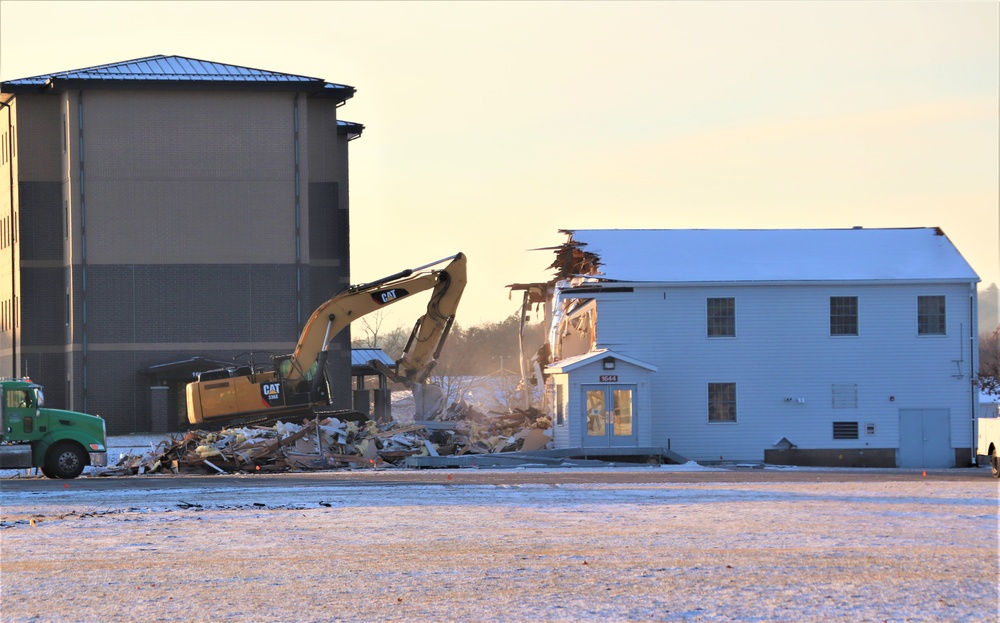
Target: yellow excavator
[{"x": 298, "y": 385}]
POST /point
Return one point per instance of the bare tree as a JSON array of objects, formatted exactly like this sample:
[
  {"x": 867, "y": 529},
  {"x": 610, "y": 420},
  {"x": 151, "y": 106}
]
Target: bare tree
[
  {"x": 989, "y": 363},
  {"x": 371, "y": 325}
]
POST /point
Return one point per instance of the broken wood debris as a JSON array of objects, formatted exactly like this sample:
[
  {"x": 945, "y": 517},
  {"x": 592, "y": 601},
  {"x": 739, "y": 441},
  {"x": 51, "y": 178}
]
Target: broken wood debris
[{"x": 334, "y": 444}]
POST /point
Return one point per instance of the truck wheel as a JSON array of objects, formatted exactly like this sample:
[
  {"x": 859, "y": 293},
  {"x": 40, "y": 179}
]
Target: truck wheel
[
  {"x": 65, "y": 460},
  {"x": 995, "y": 465}
]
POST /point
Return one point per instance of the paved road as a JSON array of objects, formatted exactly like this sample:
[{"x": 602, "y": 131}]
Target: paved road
[{"x": 486, "y": 477}]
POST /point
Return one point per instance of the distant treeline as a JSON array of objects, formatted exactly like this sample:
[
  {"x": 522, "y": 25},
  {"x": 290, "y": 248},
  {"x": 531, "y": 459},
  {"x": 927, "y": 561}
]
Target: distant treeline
[{"x": 469, "y": 351}]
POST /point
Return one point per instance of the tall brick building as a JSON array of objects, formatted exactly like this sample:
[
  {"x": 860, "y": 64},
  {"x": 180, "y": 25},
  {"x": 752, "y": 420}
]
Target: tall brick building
[{"x": 160, "y": 215}]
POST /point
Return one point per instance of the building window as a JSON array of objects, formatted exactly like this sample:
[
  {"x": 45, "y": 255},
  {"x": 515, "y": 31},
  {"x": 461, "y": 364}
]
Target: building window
[
  {"x": 65, "y": 133},
  {"x": 843, "y": 315},
  {"x": 930, "y": 315},
  {"x": 722, "y": 402},
  {"x": 560, "y": 406},
  {"x": 845, "y": 430},
  {"x": 722, "y": 317}
]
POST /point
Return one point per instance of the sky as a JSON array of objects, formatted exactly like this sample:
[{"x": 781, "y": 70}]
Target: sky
[{"x": 490, "y": 126}]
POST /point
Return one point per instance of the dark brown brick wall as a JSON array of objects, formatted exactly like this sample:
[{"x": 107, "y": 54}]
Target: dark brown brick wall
[
  {"x": 41, "y": 220},
  {"x": 327, "y": 222},
  {"x": 191, "y": 303},
  {"x": 872, "y": 457}
]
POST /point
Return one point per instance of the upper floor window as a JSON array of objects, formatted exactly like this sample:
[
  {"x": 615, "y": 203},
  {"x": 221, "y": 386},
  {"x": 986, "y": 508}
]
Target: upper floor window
[
  {"x": 722, "y": 317},
  {"x": 722, "y": 402},
  {"x": 930, "y": 315},
  {"x": 843, "y": 315}
]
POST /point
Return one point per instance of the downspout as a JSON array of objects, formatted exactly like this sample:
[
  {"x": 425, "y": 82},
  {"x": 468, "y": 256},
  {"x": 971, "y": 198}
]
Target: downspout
[
  {"x": 298, "y": 218},
  {"x": 13, "y": 252},
  {"x": 974, "y": 397},
  {"x": 83, "y": 255}
]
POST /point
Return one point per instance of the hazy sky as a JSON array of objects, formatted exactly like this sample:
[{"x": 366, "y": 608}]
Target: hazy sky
[{"x": 489, "y": 126}]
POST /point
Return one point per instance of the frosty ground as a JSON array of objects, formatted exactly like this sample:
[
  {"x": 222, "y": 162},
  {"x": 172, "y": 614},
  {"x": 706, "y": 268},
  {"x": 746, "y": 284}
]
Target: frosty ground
[{"x": 899, "y": 548}]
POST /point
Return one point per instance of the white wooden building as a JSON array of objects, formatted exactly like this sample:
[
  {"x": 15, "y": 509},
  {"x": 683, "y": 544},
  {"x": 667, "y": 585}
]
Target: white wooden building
[{"x": 852, "y": 347}]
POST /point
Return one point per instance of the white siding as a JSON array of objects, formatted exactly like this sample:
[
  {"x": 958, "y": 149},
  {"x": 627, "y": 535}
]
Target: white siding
[{"x": 783, "y": 349}]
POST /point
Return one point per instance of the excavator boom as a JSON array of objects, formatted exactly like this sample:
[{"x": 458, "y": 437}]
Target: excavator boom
[{"x": 295, "y": 384}]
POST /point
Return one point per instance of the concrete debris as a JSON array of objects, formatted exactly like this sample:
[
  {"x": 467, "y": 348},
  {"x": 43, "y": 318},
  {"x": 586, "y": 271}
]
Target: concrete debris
[{"x": 459, "y": 430}]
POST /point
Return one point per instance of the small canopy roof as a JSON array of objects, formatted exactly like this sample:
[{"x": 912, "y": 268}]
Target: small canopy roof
[{"x": 361, "y": 361}]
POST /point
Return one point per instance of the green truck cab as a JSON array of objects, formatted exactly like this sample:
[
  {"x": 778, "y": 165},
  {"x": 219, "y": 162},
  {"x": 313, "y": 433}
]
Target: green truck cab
[{"x": 60, "y": 442}]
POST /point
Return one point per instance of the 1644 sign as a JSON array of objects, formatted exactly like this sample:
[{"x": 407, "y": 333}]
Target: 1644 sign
[{"x": 609, "y": 378}]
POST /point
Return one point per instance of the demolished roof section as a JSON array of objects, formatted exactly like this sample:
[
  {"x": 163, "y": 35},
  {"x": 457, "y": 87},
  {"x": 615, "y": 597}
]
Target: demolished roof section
[
  {"x": 570, "y": 321},
  {"x": 572, "y": 260}
]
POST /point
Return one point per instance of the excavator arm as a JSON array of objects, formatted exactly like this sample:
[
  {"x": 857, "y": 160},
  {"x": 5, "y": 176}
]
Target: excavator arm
[
  {"x": 354, "y": 302},
  {"x": 215, "y": 398}
]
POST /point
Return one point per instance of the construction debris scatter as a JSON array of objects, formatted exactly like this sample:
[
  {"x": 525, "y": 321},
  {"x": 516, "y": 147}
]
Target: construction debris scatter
[{"x": 333, "y": 444}]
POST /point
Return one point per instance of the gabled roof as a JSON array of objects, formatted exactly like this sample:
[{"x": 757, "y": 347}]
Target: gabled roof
[
  {"x": 176, "y": 72},
  {"x": 572, "y": 363},
  {"x": 772, "y": 255}
]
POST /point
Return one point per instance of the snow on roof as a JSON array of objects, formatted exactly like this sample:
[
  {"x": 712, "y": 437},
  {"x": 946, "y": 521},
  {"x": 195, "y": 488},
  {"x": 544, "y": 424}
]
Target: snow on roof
[
  {"x": 728, "y": 255},
  {"x": 571, "y": 363}
]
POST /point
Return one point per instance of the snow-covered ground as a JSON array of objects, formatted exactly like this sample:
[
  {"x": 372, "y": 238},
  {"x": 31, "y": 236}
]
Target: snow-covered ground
[{"x": 905, "y": 549}]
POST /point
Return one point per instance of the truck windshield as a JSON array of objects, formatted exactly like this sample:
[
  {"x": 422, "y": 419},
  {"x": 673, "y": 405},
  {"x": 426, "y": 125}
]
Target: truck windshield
[{"x": 19, "y": 399}]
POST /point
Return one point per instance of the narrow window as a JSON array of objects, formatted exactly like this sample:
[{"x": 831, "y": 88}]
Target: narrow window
[
  {"x": 722, "y": 402},
  {"x": 722, "y": 317},
  {"x": 845, "y": 430},
  {"x": 65, "y": 133},
  {"x": 930, "y": 315},
  {"x": 560, "y": 407},
  {"x": 65, "y": 219},
  {"x": 843, "y": 315}
]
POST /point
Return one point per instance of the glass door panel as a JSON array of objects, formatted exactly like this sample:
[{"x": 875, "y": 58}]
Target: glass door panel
[
  {"x": 596, "y": 413},
  {"x": 621, "y": 420}
]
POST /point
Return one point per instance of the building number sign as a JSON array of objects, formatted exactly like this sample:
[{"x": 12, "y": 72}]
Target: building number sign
[{"x": 609, "y": 378}]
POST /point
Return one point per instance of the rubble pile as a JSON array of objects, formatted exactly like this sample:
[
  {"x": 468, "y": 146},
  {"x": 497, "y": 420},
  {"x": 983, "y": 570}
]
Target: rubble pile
[
  {"x": 480, "y": 433},
  {"x": 459, "y": 430}
]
